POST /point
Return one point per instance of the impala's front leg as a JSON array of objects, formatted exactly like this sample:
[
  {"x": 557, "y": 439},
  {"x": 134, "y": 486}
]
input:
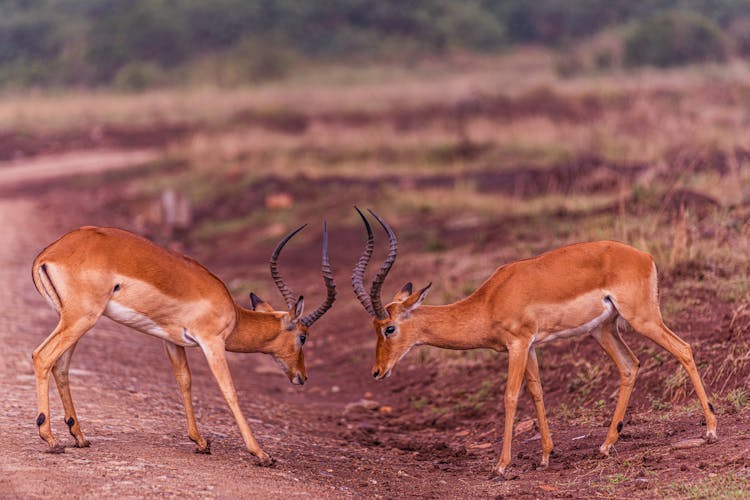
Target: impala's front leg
[
  {"x": 518, "y": 353},
  {"x": 61, "y": 373},
  {"x": 534, "y": 386},
  {"x": 181, "y": 370},
  {"x": 217, "y": 361}
]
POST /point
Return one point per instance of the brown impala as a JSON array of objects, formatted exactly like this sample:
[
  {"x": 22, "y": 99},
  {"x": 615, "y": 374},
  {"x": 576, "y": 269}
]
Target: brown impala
[
  {"x": 95, "y": 271},
  {"x": 574, "y": 290}
]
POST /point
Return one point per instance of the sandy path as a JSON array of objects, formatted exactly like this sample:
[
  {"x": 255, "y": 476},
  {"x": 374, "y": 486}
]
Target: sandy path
[{"x": 72, "y": 163}]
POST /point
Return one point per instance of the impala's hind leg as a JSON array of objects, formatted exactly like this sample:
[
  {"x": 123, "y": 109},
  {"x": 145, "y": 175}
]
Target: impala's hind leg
[
  {"x": 62, "y": 380},
  {"x": 534, "y": 386},
  {"x": 181, "y": 370},
  {"x": 655, "y": 329},
  {"x": 610, "y": 340},
  {"x": 65, "y": 335}
]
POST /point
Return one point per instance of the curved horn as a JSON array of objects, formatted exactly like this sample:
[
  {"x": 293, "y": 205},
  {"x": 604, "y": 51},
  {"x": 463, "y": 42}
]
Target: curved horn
[
  {"x": 377, "y": 283},
  {"x": 358, "y": 274},
  {"x": 330, "y": 285},
  {"x": 289, "y": 297}
]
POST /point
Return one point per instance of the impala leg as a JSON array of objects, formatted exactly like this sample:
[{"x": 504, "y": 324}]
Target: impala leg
[
  {"x": 64, "y": 336},
  {"x": 62, "y": 380},
  {"x": 218, "y": 363},
  {"x": 657, "y": 331},
  {"x": 627, "y": 364},
  {"x": 181, "y": 370},
  {"x": 534, "y": 386},
  {"x": 517, "y": 358}
]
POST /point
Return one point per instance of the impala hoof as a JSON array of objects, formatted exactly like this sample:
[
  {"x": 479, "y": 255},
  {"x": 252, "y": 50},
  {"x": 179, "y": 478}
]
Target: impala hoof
[
  {"x": 264, "y": 460},
  {"x": 498, "y": 474},
  {"x": 204, "y": 450},
  {"x": 711, "y": 437},
  {"x": 56, "y": 449},
  {"x": 83, "y": 444},
  {"x": 604, "y": 449}
]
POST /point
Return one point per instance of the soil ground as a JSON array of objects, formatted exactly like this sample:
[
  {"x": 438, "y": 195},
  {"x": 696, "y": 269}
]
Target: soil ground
[{"x": 427, "y": 434}]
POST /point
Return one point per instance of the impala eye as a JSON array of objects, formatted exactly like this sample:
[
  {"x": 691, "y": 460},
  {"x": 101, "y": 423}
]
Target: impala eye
[
  {"x": 302, "y": 339},
  {"x": 389, "y": 330}
]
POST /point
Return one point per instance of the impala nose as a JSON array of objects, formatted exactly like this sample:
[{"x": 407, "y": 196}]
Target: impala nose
[
  {"x": 375, "y": 373},
  {"x": 299, "y": 380}
]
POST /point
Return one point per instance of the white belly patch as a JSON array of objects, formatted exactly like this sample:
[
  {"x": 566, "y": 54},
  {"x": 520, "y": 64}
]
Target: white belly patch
[
  {"x": 608, "y": 313},
  {"x": 142, "y": 323}
]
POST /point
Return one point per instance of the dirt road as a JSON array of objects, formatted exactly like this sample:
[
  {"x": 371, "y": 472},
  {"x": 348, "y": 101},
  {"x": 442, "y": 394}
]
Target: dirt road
[{"x": 420, "y": 438}]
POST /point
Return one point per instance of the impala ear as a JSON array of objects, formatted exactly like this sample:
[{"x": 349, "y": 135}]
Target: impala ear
[
  {"x": 260, "y": 304},
  {"x": 298, "y": 308},
  {"x": 255, "y": 300},
  {"x": 404, "y": 293},
  {"x": 415, "y": 300}
]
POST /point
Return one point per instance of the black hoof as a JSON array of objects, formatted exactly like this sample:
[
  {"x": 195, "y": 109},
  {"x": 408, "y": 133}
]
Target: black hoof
[
  {"x": 266, "y": 461},
  {"x": 206, "y": 450}
]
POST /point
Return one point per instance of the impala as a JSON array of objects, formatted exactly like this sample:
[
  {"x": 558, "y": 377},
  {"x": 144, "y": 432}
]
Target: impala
[
  {"x": 574, "y": 290},
  {"x": 100, "y": 271}
]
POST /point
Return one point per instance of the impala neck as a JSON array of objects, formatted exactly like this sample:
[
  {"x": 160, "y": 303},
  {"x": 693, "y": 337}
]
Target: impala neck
[
  {"x": 254, "y": 331},
  {"x": 462, "y": 325}
]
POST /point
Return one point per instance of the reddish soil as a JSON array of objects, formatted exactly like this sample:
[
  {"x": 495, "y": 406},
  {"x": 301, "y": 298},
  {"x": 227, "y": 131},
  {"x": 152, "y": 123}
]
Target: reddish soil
[{"x": 433, "y": 432}]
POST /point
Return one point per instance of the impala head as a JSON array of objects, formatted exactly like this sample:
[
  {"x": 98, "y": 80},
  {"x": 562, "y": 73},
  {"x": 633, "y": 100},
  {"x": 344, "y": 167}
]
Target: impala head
[
  {"x": 395, "y": 333},
  {"x": 286, "y": 347}
]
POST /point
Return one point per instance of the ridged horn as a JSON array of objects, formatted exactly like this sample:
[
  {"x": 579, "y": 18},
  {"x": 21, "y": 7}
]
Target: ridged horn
[
  {"x": 328, "y": 280},
  {"x": 358, "y": 274},
  {"x": 288, "y": 295},
  {"x": 377, "y": 283}
]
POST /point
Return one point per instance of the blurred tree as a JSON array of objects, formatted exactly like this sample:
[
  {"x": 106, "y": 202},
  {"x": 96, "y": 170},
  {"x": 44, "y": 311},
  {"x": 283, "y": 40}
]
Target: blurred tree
[
  {"x": 137, "y": 41},
  {"x": 140, "y": 30},
  {"x": 673, "y": 38}
]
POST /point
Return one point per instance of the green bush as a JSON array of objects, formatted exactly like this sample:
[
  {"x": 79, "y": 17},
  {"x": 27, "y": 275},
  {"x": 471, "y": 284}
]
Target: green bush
[
  {"x": 674, "y": 38},
  {"x": 138, "y": 76}
]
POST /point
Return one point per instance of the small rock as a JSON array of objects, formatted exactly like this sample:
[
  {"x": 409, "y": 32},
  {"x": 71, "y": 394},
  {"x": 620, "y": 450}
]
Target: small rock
[
  {"x": 462, "y": 433},
  {"x": 482, "y": 446},
  {"x": 279, "y": 201},
  {"x": 362, "y": 405},
  {"x": 525, "y": 426},
  {"x": 688, "y": 443},
  {"x": 368, "y": 395},
  {"x": 335, "y": 389},
  {"x": 386, "y": 410}
]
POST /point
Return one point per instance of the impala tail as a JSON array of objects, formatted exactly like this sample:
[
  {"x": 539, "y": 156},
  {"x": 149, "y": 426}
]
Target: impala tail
[{"x": 44, "y": 285}]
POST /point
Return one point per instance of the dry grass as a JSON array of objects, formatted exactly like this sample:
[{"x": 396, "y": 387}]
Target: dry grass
[{"x": 379, "y": 132}]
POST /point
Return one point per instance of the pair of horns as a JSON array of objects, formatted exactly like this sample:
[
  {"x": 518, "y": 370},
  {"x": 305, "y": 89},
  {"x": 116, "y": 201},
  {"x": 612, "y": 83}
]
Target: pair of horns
[
  {"x": 372, "y": 302},
  {"x": 289, "y": 296}
]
